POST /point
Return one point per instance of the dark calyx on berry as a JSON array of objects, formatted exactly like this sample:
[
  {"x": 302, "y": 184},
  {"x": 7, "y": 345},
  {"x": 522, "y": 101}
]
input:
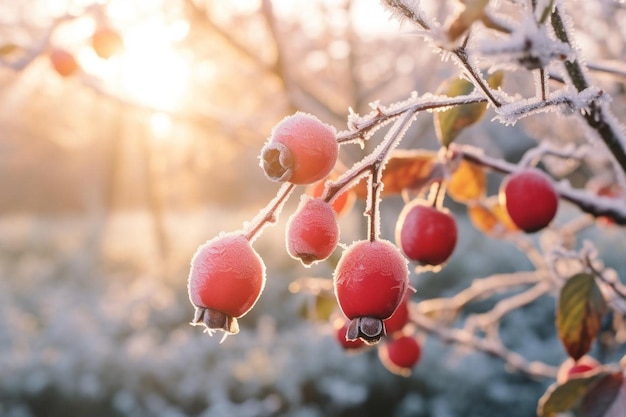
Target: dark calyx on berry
[
  {"x": 215, "y": 320},
  {"x": 368, "y": 329}
]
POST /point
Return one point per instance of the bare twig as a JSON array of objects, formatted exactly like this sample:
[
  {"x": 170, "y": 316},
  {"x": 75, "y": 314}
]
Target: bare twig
[
  {"x": 503, "y": 307},
  {"x": 478, "y": 290},
  {"x": 492, "y": 347},
  {"x": 367, "y": 124}
]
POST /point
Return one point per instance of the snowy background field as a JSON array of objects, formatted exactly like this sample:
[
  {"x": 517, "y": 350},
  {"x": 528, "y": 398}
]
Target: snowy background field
[{"x": 108, "y": 335}]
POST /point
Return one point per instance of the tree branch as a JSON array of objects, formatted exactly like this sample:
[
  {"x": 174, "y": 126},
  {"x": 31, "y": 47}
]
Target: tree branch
[
  {"x": 492, "y": 347},
  {"x": 598, "y": 117}
]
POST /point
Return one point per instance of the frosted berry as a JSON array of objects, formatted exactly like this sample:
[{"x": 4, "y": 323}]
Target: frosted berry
[
  {"x": 399, "y": 355},
  {"x": 106, "y": 42},
  {"x": 399, "y": 318},
  {"x": 63, "y": 62},
  {"x": 226, "y": 278},
  {"x": 579, "y": 369},
  {"x": 370, "y": 282},
  {"x": 426, "y": 234},
  {"x": 530, "y": 199},
  {"x": 572, "y": 369},
  {"x": 301, "y": 149},
  {"x": 312, "y": 231}
]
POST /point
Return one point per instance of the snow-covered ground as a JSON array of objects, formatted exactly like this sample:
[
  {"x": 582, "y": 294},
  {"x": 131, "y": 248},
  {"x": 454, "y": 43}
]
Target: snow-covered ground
[{"x": 93, "y": 323}]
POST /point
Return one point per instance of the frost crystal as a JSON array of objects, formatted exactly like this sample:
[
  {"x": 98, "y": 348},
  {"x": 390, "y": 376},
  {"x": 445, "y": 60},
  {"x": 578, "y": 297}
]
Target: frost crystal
[
  {"x": 528, "y": 45},
  {"x": 568, "y": 100}
]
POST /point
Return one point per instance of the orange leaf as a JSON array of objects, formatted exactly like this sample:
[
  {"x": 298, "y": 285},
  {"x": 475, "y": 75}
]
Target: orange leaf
[
  {"x": 489, "y": 217},
  {"x": 405, "y": 170},
  {"x": 468, "y": 183}
]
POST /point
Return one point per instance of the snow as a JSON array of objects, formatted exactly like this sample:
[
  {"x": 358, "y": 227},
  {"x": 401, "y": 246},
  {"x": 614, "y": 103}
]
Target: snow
[{"x": 117, "y": 338}]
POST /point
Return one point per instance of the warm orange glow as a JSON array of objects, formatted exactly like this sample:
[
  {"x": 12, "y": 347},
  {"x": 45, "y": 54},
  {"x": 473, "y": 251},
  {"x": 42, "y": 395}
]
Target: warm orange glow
[{"x": 152, "y": 72}]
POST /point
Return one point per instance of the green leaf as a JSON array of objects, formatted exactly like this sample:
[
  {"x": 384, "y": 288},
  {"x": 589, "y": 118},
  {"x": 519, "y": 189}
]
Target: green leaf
[
  {"x": 449, "y": 123},
  {"x": 319, "y": 307},
  {"x": 605, "y": 398},
  {"x": 580, "y": 310},
  {"x": 560, "y": 398},
  {"x": 495, "y": 79}
]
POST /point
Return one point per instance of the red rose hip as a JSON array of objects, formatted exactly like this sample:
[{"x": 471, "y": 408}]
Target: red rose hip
[
  {"x": 400, "y": 355},
  {"x": 348, "y": 345},
  {"x": 312, "y": 231},
  {"x": 370, "y": 282},
  {"x": 106, "y": 42},
  {"x": 530, "y": 199},
  {"x": 426, "y": 234},
  {"x": 301, "y": 149},
  {"x": 226, "y": 278},
  {"x": 63, "y": 62},
  {"x": 396, "y": 322}
]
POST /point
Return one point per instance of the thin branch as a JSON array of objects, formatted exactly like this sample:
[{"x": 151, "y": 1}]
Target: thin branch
[
  {"x": 505, "y": 306},
  {"x": 479, "y": 289},
  {"x": 269, "y": 214},
  {"x": 617, "y": 287},
  {"x": 492, "y": 347},
  {"x": 588, "y": 202},
  {"x": 366, "y": 125},
  {"x": 43, "y": 43},
  {"x": 464, "y": 59},
  {"x": 409, "y": 13}
]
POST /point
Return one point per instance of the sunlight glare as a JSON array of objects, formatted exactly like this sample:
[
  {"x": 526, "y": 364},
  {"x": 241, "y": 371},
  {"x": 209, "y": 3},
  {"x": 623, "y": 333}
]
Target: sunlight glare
[
  {"x": 153, "y": 72},
  {"x": 161, "y": 125}
]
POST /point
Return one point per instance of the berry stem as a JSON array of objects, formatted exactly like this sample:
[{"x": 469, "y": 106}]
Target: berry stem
[
  {"x": 269, "y": 214},
  {"x": 392, "y": 139},
  {"x": 372, "y": 211},
  {"x": 372, "y": 166},
  {"x": 437, "y": 194}
]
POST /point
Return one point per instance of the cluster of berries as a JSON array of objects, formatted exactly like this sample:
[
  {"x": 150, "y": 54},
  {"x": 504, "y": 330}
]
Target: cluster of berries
[
  {"x": 399, "y": 352},
  {"x": 105, "y": 41},
  {"x": 371, "y": 279}
]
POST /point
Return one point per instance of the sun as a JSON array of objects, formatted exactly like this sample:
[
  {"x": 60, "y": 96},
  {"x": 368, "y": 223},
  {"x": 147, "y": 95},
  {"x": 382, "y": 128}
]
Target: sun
[{"x": 152, "y": 72}]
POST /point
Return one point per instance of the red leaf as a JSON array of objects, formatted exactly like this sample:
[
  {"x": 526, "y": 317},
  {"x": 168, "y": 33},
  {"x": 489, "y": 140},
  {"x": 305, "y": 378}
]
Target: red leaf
[{"x": 606, "y": 398}]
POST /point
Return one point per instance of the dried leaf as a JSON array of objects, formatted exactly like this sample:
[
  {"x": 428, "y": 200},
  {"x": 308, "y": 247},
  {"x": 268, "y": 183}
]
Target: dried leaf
[
  {"x": 474, "y": 10},
  {"x": 560, "y": 398},
  {"x": 580, "y": 310},
  {"x": 490, "y": 217},
  {"x": 468, "y": 183},
  {"x": 606, "y": 398},
  {"x": 405, "y": 170}
]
